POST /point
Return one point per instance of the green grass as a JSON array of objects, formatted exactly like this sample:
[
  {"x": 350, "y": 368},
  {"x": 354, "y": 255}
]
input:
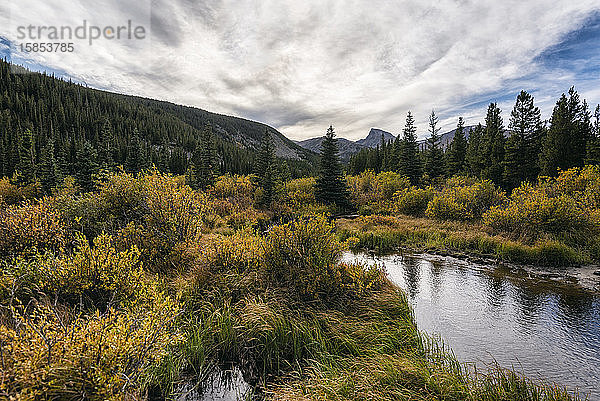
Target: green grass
[{"x": 425, "y": 234}]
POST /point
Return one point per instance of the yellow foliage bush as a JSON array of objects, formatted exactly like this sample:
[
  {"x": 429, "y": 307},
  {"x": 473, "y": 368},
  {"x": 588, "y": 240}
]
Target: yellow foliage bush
[
  {"x": 46, "y": 355},
  {"x": 368, "y": 187},
  {"x": 413, "y": 201},
  {"x": 31, "y": 227},
  {"x": 303, "y": 257},
  {"x": 461, "y": 199},
  {"x": 535, "y": 209}
]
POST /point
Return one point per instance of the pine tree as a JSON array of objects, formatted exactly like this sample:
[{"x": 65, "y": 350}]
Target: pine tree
[
  {"x": 493, "y": 145},
  {"x": 522, "y": 149},
  {"x": 474, "y": 158},
  {"x": 570, "y": 129},
  {"x": 50, "y": 175},
  {"x": 266, "y": 170},
  {"x": 26, "y": 169},
  {"x": 331, "y": 188},
  {"x": 395, "y": 154},
  {"x": 434, "y": 155},
  {"x": 105, "y": 146},
  {"x": 457, "y": 151},
  {"x": 593, "y": 149},
  {"x": 86, "y": 166},
  {"x": 206, "y": 161},
  {"x": 410, "y": 162}
]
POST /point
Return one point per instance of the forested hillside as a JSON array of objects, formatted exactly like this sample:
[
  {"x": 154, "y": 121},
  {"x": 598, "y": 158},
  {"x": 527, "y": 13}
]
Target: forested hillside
[{"x": 50, "y": 124}]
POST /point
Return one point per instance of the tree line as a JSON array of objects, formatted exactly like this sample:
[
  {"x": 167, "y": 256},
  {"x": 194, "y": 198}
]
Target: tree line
[
  {"x": 522, "y": 151},
  {"x": 51, "y": 128}
]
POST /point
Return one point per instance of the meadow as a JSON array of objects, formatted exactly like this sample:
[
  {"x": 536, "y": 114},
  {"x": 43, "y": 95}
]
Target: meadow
[{"x": 126, "y": 291}]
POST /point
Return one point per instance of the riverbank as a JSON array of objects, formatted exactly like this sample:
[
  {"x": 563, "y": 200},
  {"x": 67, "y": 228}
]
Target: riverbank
[
  {"x": 460, "y": 239},
  {"x": 127, "y": 292}
]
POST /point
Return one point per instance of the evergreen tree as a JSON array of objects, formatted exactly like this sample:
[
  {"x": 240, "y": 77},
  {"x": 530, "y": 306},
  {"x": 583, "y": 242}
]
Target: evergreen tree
[
  {"x": 206, "y": 159},
  {"x": 493, "y": 145},
  {"x": 593, "y": 149},
  {"x": 86, "y": 166},
  {"x": 267, "y": 170},
  {"x": 50, "y": 175},
  {"x": 410, "y": 162},
  {"x": 434, "y": 155},
  {"x": 26, "y": 168},
  {"x": 474, "y": 157},
  {"x": 105, "y": 147},
  {"x": 395, "y": 154},
  {"x": 523, "y": 147},
  {"x": 331, "y": 188},
  {"x": 570, "y": 130},
  {"x": 457, "y": 151}
]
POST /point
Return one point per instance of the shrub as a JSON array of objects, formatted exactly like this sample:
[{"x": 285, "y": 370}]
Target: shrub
[
  {"x": 300, "y": 192},
  {"x": 30, "y": 227},
  {"x": 302, "y": 256},
  {"x": 98, "y": 357},
  {"x": 413, "y": 201},
  {"x": 369, "y": 189},
  {"x": 532, "y": 211},
  {"x": 94, "y": 275},
  {"x": 461, "y": 200}
]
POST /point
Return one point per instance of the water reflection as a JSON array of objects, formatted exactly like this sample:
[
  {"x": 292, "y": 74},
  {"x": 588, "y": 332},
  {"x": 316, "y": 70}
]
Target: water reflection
[
  {"x": 412, "y": 274},
  {"x": 541, "y": 327}
]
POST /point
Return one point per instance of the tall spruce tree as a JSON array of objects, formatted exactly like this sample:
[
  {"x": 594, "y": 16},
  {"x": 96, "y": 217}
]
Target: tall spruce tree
[
  {"x": 493, "y": 145},
  {"x": 457, "y": 150},
  {"x": 50, "y": 175},
  {"x": 86, "y": 165},
  {"x": 331, "y": 188},
  {"x": 266, "y": 170},
  {"x": 565, "y": 144},
  {"x": 410, "y": 161},
  {"x": 522, "y": 149},
  {"x": 474, "y": 158},
  {"x": 593, "y": 149},
  {"x": 206, "y": 159},
  {"x": 26, "y": 168},
  {"x": 434, "y": 155}
]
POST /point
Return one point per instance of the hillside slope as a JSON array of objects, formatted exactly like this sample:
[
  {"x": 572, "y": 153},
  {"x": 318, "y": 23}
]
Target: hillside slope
[{"x": 71, "y": 117}]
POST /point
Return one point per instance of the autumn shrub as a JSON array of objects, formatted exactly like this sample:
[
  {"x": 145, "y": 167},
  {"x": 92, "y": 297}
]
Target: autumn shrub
[
  {"x": 300, "y": 192},
  {"x": 94, "y": 275},
  {"x": 303, "y": 257},
  {"x": 462, "y": 200},
  {"x": 46, "y": 354},
  {"x": 532, "y": 211},
  {"x": 11, "y": 194},
  {"x": 237, "y": 189},
  {"x": 413, "y": 201},
  {"x": 240, "y": 251},
  {"x": 373, "y": 192},
  {"x": 31, "y": 227}
]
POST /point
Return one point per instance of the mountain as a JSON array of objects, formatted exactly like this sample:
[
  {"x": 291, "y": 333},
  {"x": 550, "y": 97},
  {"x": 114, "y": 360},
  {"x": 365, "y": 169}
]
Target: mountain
[
  {"x": 346, "y": 147},
  {"x": 77, "y": 119},
  {"x": 374, "y": 138},
  {"x": 446, "y": 138}
]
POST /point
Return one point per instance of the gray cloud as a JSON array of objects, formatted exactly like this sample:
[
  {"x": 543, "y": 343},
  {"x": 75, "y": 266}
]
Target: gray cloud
[{"x": 304, "y": 65}]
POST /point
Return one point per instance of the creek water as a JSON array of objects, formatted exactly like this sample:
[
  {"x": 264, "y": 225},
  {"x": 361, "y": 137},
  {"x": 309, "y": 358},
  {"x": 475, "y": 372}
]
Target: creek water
[{"x": 543, "y": 328}]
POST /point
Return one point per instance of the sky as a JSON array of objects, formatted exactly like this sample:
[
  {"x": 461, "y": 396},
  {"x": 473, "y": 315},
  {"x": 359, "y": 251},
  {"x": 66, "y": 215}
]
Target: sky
[{"x": 301, "y": 66}]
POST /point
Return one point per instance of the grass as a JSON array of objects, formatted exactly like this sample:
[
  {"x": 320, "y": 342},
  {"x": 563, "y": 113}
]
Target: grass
[{"x": 387, "y": 234}]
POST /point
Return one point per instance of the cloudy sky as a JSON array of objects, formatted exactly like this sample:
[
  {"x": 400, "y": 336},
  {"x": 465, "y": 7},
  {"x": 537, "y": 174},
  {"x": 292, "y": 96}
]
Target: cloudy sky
[{"x": 303, "y": 65}]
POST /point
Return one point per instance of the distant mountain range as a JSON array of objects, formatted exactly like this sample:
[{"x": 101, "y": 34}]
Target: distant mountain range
[{"x": 348, "y": 148}]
